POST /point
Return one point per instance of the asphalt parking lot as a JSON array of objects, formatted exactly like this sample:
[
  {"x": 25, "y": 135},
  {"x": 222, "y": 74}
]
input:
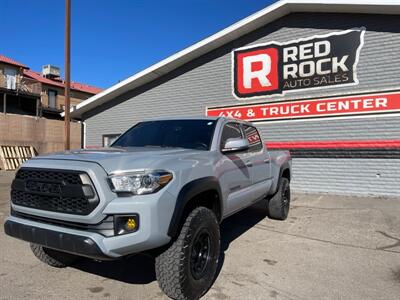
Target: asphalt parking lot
[{"x": 331, "y": 247}]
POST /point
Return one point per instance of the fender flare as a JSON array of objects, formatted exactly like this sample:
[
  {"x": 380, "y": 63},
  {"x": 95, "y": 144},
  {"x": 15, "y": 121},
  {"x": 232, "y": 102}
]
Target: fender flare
[
  {"x": 187, "y": 193},
  {"x": 284, "y": 166}
]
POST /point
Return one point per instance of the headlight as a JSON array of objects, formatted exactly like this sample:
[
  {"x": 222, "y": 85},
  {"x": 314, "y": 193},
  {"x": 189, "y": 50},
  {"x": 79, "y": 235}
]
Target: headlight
[{"x": 140, "y": 182}]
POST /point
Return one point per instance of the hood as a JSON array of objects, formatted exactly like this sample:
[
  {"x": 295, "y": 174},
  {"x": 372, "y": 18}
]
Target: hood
[{"x": 115, "y": 159}]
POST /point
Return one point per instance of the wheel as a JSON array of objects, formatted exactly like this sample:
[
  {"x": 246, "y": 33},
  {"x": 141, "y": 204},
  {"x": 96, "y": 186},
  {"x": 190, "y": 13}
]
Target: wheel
[
  {"x": 52, "y": 257},
  {"x": 278, "y": 205},
  {"x": 187, "y": 268}
]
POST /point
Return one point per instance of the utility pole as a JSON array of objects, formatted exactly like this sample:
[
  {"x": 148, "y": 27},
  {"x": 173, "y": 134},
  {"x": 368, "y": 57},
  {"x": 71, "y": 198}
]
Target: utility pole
[{"x": 67, "y": 73}]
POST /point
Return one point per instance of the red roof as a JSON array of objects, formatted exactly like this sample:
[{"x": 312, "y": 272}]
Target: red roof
[
  {"x": 74, "y": 85},
  {"x": 37, "y": 76},
  {"x": 85, "y": 88},
  {"x": 10, "y": 61}
]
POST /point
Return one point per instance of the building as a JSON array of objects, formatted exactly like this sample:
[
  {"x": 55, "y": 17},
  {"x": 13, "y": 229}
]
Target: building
[
  {"x": 41, "y": 93},
  {"x": 320, "y": 78},
  {"x": 52, "y": 92},
  {"x": 31, "y": 104},
  {"x": 14, "y": 86}
]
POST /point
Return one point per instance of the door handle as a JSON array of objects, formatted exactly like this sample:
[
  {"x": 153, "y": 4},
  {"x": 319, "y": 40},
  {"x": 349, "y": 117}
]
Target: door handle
[
  {"x": 249, "y": 164},
  {"x": 267, "y": 160}
]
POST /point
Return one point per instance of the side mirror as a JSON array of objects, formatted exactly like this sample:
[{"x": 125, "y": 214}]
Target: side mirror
[{"x": 235, "y": 145}]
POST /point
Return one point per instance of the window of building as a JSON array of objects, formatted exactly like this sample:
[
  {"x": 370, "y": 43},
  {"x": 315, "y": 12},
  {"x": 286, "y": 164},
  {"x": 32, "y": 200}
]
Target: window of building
[
  {"x": 231, "y": 130},
  {"x": 11, "y": 78},
  {"x": 52, "y": 98},
  {"x": 108, "y": 139},
  {"x": 252, "y": 135}
]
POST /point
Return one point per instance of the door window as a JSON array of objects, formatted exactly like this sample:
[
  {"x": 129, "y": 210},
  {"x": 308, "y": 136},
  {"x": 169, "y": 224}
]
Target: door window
[
  {"x": 252, "y": 135},
  {"x": 108, "y": 139},
  {"x": 231, "y": 130}
]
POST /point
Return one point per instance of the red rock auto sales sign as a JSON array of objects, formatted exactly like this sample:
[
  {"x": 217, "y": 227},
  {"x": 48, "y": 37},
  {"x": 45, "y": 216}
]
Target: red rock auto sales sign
[
  {"x": 313, "y": 108},
  {"x": 319, "y": 61}
]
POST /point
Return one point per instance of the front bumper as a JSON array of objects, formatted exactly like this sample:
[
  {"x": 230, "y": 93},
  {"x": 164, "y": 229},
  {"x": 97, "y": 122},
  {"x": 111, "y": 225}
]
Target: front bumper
[
  {"x": 67, "y": 242},
  {"x": 82, "y": 242}
]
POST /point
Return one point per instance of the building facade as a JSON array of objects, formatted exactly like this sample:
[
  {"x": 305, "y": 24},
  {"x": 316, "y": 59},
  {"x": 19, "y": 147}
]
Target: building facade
[
  {"x": 31, "y": 105},
  {"x": 318, "y": 78},
  {"x": 14, "y": 86}
]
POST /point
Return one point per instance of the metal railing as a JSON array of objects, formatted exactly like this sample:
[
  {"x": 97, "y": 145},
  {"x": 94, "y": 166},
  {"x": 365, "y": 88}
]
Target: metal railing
[
  {"x": 22, "y": 85},
  {"x": 30, "y": 86}
]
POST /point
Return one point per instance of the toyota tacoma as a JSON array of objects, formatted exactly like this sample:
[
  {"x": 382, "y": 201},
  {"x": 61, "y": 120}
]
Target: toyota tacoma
[{"x": 163, "y": 187}]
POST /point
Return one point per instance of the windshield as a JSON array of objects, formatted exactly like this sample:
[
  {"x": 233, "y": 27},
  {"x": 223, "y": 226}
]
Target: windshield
[{"x": 190, "y": 134}]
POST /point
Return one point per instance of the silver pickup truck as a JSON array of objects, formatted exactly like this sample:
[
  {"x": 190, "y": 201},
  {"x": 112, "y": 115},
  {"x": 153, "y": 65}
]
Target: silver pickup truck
[{"x": 163, "y": 187}]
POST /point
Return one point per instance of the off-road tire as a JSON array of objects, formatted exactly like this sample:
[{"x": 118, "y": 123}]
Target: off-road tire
[
  {"x": 52, "y": 257},
  {"x": 174, "y": 266},
  {"x": 278, "y": 205}
]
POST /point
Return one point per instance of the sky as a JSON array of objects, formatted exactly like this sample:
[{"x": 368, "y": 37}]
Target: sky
[{"x": 112, "y": 40}]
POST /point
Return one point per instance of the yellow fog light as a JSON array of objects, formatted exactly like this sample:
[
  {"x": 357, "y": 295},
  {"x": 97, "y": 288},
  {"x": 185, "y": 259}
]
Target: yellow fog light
[
  {"x": 131, "y": 224},
  {"x": 126, "y": 224}
]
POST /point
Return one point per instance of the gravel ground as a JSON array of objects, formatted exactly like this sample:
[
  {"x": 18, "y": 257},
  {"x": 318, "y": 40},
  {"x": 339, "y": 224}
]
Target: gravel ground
[{"x": 331, "y": 247}]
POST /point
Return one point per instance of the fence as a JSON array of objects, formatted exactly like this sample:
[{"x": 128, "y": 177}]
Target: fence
[{"x": 22, "y": 85}]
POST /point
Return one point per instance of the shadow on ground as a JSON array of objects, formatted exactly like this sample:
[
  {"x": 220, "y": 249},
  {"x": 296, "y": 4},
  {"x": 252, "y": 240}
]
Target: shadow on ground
[{"x": 139, "y": 269}]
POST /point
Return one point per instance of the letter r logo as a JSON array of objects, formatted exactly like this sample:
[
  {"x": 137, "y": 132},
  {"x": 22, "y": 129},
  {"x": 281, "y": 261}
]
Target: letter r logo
[
  {"x": 255, "y": 71},
  {"x": 250, "y": 72}
]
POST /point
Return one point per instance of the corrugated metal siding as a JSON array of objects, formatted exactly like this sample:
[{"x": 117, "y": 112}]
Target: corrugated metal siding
[
  {"x": 341, "y": 129},
  {"x": 208, "y": 83},
  {"x": 347, "y": 176}
]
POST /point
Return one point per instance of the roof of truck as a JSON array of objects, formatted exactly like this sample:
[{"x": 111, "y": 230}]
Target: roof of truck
[
  {"x": 181, "y": 118},
  {"x": 199, "y": 118}
]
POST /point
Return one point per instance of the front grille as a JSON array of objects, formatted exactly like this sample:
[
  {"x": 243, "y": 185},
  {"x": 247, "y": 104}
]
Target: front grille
[
  {"x": 71, "y": 177},
  {"x": 53, "y": 203},
  {"x": 61, "y": 191}
]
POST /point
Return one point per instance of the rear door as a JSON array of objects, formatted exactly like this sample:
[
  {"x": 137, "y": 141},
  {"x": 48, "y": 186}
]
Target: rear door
[
  {"x": 258, "y": 156},
  {"x": 234, "y": 172}
]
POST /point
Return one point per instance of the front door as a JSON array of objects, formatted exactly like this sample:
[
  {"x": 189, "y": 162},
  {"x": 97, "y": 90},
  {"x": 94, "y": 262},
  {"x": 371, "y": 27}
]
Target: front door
[{"x": 235, "y": 178}]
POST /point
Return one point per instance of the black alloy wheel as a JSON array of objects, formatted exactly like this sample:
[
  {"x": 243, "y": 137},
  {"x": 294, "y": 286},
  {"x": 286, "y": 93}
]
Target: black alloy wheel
[
  {"x": 286, "y": 199},
  {"x": 200, "y": 254}
]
